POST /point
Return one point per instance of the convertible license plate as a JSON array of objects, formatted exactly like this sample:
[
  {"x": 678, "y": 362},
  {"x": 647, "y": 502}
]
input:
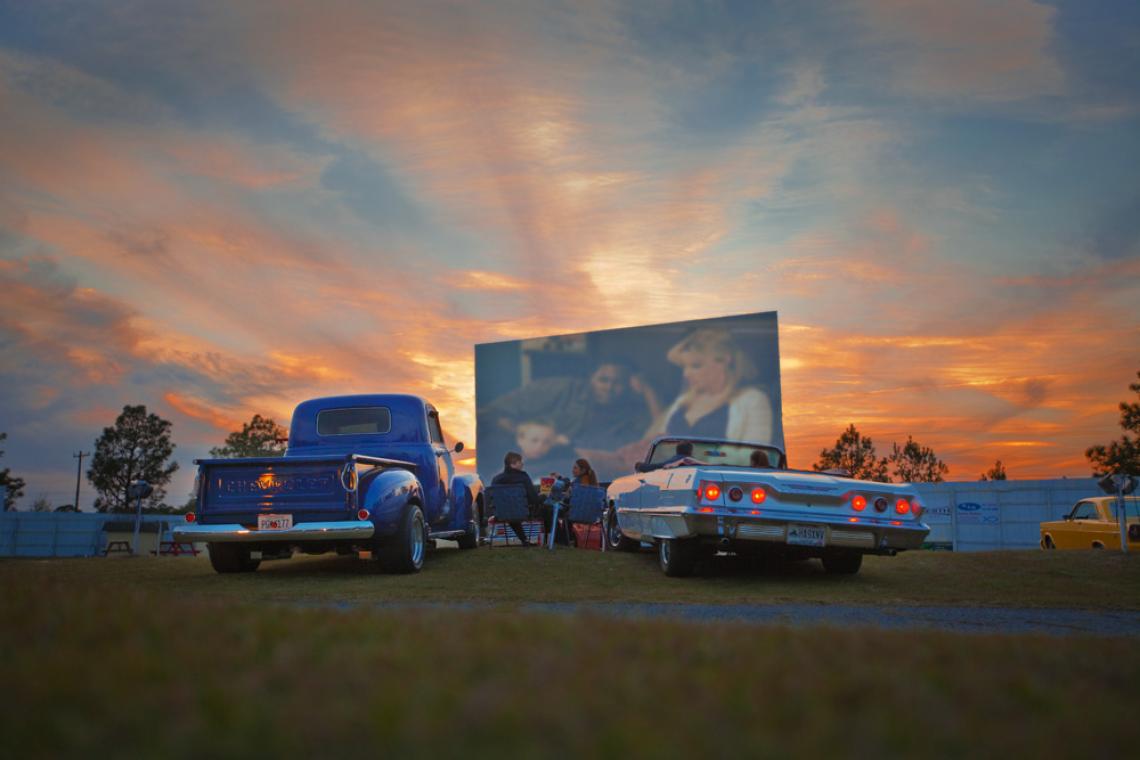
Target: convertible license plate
[
  {"x": 806, "y": 535},
  {"x": 274, "y": 522}
]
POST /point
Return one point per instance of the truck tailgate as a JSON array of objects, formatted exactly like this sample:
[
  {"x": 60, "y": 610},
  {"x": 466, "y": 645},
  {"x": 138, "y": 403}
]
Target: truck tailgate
[{"x": 239, "y": 490}]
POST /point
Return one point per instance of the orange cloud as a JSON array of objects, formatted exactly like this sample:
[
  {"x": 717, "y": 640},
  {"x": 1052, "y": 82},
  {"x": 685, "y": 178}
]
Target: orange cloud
[{"x": 199, "y": 410}]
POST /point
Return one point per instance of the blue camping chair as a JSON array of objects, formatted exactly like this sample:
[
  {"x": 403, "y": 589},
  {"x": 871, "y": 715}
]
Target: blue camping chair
[
  {"x": 587, "y": 504},
  {"x": 505, "y": 504}
]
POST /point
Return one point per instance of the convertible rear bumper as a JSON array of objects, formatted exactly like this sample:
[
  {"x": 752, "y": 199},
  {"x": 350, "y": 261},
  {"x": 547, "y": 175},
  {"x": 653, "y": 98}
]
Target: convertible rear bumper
[
  {"x": 311, "y": 531},
  {"x": 866, "y": 533}
]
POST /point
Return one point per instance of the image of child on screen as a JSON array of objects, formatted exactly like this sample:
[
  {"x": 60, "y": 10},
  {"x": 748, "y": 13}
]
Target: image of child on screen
[
  {"x": 602, "y": 410},
  {"x": 717, "y": 398},
  {"x": 536, "y": 440}
]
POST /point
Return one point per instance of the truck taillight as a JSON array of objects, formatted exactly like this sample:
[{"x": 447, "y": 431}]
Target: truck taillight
[
  {"x": 191, "y": 517},
  {"x": 363, "y": 514}
]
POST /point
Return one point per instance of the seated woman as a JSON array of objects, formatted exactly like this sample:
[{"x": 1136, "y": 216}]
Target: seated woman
[{"x": 582, "y": 474}]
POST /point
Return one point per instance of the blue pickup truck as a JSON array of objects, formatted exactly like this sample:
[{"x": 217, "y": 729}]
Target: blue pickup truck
[{"x": 367, "y": 472}]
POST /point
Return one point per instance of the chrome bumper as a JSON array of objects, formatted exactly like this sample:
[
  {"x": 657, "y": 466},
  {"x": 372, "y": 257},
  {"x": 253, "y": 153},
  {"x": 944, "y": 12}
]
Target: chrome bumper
[
  {"x": 313, "y": 531},
  {"x": 869, "y": 534}
]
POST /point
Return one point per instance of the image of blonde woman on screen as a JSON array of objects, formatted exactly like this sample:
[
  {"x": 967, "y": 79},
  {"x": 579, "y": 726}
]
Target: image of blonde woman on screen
[{"x": 718, "y": 398}]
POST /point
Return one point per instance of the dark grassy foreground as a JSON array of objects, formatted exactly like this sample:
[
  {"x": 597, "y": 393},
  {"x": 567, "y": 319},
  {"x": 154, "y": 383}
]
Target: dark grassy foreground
[
  {"x": 161, "y": 657},
  {"x": 145, "y": 668},
  {"x": 1087, "y": 580}
]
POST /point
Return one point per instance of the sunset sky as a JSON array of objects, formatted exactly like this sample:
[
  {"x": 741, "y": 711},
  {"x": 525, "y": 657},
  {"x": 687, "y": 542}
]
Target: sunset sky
[{"x": 218, "y": 209}]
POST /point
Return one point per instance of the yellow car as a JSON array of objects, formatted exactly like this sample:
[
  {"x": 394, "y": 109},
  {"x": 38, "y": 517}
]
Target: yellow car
[{"x": 1093, "y": 524}]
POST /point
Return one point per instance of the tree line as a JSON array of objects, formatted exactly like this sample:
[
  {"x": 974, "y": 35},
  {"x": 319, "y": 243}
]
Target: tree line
[{"x": 139, "y": 447}]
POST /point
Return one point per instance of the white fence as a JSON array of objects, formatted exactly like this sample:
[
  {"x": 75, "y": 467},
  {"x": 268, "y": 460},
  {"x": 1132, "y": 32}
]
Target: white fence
[{"x": 998, "y": 514}]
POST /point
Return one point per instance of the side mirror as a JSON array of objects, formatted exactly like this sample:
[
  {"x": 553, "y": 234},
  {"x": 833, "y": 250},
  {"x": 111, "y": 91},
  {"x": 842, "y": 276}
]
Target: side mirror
[{"x": 458, "y": 447}]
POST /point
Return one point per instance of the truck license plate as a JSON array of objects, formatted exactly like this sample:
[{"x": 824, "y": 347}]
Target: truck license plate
[
  {"x": 806, "y": 535},
  {"x": 274, "y": 522}
]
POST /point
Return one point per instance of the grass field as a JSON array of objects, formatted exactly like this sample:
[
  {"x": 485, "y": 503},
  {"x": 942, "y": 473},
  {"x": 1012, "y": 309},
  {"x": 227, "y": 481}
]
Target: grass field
[
  {"x": 1087, "y": 580},
  {"x": 160, "y": 657}
]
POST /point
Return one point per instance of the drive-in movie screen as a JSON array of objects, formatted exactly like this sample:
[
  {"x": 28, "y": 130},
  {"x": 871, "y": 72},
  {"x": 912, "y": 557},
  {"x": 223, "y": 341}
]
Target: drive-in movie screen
[
  {"x": 603, "y": 395},
  {"x": 570, "y": 379}
]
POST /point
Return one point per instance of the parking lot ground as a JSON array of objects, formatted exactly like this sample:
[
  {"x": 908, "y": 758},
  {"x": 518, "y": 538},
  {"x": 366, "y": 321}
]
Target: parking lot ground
[{"x": 160, "y": 657}]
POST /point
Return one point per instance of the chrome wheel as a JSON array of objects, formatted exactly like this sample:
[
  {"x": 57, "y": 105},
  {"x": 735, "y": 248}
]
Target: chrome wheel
[{"x": 417, "y": 543}]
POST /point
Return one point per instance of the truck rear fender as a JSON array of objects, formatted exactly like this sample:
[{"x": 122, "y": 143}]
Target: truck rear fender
[
  {"x": 465, "y": 492},
  {"x": 386, "y": 493}
]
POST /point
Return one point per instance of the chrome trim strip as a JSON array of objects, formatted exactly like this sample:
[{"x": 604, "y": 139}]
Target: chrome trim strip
[
  {"x": 311, "y": 531},
  {"x": 757, "y": 531}
]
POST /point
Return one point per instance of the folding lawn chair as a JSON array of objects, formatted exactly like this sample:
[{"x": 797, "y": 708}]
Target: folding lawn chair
[
  {"x": 505, "y": 504},
  {"x": 587, "y": 503}
]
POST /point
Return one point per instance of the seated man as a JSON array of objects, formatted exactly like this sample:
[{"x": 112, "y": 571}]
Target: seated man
[
  {"x": 682, "y": 457},
  {"x": 513, "y": 473},
  {"x": 759, "y": 459}
]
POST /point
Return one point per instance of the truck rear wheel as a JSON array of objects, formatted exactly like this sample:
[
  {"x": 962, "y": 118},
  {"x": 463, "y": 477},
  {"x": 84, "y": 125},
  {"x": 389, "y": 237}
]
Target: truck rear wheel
[
  {"x": 405, "y": 554},
  {"x": 231, "y": 558}
]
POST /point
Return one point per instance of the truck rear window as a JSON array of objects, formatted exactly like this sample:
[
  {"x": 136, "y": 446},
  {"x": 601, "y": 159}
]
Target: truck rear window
[{"x": 358, "y": 421}]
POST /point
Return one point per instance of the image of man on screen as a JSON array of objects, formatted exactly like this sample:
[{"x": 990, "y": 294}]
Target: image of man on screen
[{"x": 601, "y": 412}]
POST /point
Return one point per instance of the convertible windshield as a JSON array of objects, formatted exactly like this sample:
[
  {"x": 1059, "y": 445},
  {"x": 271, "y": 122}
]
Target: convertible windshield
[{"x": 716, "y": 453}]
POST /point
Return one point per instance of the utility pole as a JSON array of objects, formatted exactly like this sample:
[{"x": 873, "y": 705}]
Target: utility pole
[{"x": 79, "y": 474}]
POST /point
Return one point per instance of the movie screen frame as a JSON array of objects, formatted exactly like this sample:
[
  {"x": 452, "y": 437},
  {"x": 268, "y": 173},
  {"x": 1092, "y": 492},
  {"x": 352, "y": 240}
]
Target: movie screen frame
[{"x": 602, "y": 395}]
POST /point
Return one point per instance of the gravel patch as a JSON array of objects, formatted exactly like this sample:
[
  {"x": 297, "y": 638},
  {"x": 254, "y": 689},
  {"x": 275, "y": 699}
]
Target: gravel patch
[{"x": 976, "y": 620}]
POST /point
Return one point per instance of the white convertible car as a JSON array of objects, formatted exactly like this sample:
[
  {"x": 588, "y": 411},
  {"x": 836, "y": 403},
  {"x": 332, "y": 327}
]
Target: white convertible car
[{"x": 693, "y": 497}]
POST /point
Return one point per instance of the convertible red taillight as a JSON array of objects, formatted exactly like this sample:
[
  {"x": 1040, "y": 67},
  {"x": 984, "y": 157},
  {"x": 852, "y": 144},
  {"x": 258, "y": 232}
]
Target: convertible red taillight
[
  {"x": 916, "y": 508},
  {"x": 191, "y": 517},
  {"x": 759, "y": 495},
  {"x": 859, "y": 503},
  {"x": 710, "y": 492},
  {"x": 902, "y": 506},
  {"x": 363, "y": 514}
]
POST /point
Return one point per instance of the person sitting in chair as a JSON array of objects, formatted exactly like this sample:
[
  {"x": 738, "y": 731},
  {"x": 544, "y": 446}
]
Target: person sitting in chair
[
  {"x": 582, "y": 475},
  {"x": 759, "y": 459},
  {"x": 514, "y": 474}
]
